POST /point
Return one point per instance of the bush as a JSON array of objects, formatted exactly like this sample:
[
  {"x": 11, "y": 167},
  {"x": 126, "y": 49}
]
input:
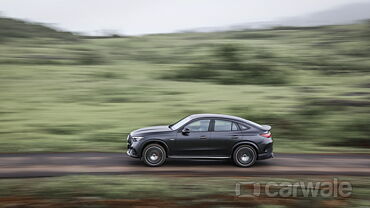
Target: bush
[
  {"x": 228, "y": 68},
  {"x": 354, "y": 133},
  {"x": 90, "y": 58}
]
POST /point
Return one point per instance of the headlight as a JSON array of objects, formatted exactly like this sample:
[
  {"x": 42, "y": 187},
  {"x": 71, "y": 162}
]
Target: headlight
[{"x": 137, "y": 138}]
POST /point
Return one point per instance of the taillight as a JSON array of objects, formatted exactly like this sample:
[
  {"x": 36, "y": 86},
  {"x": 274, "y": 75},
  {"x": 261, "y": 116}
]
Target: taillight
[{"x": 266, "y": 135}]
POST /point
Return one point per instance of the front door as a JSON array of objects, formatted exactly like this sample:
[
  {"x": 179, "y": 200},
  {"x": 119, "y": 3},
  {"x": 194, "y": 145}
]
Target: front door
[{"x": 195, "y": 141}]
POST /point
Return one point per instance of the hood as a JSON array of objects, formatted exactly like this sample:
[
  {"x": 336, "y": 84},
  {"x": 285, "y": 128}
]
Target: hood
[{"x": 151, "y": 129}]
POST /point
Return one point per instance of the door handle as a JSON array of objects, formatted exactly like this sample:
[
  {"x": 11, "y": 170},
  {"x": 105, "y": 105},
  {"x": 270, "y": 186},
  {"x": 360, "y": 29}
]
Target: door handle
[
  {"x": 203, "y": 137},
  {"x": 234, "y": 137}
]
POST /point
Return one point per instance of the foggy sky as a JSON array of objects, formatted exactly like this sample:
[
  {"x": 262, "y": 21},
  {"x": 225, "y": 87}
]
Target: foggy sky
[{"x": 135, "y": 17}]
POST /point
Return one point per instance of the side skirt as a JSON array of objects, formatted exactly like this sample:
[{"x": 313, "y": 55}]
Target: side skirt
[{"x": 197, "y": 157}]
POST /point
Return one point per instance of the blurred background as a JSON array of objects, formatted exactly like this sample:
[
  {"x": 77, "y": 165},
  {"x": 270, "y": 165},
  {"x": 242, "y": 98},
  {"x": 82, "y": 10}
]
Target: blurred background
[
  {"x": 78, "y": 76},
  {"x": 83, "y": 91}
]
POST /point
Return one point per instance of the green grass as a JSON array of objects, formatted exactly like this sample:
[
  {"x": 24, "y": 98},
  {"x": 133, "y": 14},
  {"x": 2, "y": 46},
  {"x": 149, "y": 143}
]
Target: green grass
[
  {"x": 128, "y": 191},
  {"x": 65, "y": 96}
]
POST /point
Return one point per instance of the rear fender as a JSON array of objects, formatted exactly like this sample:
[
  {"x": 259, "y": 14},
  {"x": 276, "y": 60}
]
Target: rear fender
[{"x": 246, "y": 143}]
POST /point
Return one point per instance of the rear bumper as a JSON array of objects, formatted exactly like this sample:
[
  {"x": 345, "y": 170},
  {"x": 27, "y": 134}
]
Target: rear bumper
[
  {"x": 267, "y": 152},
  {"x": 265, "y": 156}
]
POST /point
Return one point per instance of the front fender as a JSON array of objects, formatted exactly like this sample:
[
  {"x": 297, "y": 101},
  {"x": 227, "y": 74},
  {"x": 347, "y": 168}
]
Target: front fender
[{"x": 150, "y": 141}]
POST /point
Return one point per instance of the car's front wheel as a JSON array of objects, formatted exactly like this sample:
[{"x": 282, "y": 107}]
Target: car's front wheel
[
  {"x": 244, "y": 156},
  {"x": 154, "y": 155}
]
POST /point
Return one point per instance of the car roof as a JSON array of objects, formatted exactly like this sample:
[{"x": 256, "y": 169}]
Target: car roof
[{"x": 210, "y": 115}]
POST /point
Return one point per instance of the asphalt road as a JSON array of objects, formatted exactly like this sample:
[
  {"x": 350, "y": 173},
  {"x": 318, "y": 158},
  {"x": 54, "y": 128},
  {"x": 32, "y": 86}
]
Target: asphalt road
[{"x": 20, "y": 165}]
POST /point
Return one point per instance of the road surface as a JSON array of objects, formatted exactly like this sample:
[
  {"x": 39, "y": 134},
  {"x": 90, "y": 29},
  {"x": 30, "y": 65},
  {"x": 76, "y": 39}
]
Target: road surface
[{"x": 16, "y": 165}]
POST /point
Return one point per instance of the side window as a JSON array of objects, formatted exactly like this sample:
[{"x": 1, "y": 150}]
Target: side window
[
  {"x": 221, "y": 125},
  {"x": 234, "y": 127},
  {"x": 200, "y": 125},
  {"x": 243, "y": 127}
]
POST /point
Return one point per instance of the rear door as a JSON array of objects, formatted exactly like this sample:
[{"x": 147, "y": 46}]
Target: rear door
[{"x": 225, "y": 133}]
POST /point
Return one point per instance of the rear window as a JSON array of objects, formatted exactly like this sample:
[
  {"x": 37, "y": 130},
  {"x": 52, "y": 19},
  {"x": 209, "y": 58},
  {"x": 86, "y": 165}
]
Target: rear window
[
  {"x": 244, "y": 127},
  {"x": 234, "y": 127},
  {"x": 222, "y": 125}
]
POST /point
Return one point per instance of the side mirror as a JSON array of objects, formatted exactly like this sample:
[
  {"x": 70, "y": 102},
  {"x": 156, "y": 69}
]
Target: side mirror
[{"x": 185, "y": 131}]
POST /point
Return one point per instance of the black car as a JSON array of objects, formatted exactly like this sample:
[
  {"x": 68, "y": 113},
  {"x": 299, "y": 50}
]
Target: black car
[{"x": 203, "y": 136}]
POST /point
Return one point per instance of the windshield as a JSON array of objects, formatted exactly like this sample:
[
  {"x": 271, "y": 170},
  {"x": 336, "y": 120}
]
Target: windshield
[{"x": 180, "y": 123}]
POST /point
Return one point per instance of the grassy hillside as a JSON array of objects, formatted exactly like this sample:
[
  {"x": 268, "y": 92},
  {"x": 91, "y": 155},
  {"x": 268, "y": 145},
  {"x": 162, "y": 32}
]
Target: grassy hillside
[
  {"x": 12, "y": 28},
  {"x": 310, "y": 84}
]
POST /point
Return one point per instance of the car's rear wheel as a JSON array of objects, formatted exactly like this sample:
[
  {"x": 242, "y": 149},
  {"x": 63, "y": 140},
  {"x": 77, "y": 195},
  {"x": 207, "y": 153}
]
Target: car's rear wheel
[
  {"x": 154, "y": 155},
  {"x": 244, "y": 156}
]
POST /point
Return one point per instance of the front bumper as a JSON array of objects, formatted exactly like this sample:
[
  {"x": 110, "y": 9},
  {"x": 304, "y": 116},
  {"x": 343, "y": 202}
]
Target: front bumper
[
  {"x": 132, "y": 153},
  {"x": 131, "y": 147}
]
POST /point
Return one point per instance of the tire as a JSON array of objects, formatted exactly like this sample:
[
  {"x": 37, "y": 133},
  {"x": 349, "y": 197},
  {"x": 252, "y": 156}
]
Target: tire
[
  {"x": 154, "y": 155},
  {"x": 244, "y": 156}
]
